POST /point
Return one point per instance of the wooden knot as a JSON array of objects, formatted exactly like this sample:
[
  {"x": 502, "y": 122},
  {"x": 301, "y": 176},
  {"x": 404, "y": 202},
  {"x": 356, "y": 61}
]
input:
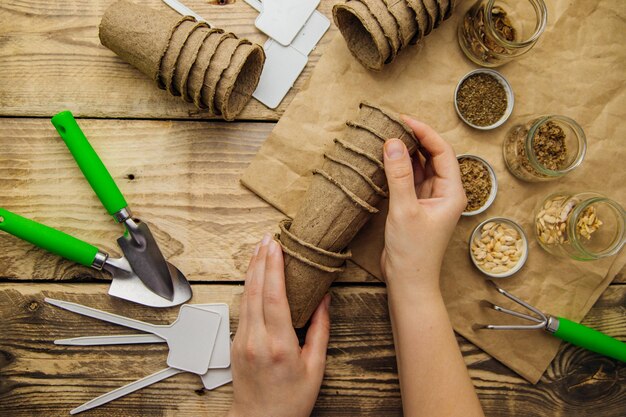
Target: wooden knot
[
  {"x": 589, "y": 378},
  {"x": 6, "y": 358}
]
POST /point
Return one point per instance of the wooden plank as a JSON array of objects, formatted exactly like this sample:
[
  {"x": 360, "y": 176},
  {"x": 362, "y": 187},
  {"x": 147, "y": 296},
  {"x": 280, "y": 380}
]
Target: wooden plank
[
  {"x": 39, "y": 378},
  {"x": 181, "y": 177},
  {"x": 185, "y": 184},
  {"x": 51, "y": 59}
]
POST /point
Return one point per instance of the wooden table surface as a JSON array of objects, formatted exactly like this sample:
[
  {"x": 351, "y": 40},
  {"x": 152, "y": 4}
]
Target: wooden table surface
[{"x": 179, "y": 171}]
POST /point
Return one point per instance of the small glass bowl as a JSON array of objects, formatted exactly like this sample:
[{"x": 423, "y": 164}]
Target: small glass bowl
[
  {"x": 494, "y": 184},
  {"x": 510, "y": 98},
  {"x": 524, "y": 256}
]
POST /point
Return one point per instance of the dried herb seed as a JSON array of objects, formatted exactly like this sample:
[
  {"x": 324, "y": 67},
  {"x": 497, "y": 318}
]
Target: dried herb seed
[
  {"x": 549, "y": 146},
  {"x": 481, "y": 99},
  {"x": 476, "y": 183},
  {"x": 498, "y": 248}
]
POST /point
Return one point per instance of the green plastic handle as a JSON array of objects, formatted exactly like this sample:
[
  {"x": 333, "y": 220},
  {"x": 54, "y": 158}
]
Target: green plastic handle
[
  {"x": 48, "y": 238},
  {"x": 89, "y": 162},
  {"x": 591, "y": 339}
]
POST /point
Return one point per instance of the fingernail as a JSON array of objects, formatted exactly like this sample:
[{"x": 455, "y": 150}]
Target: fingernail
[
  {"x": 273, "y": 247},
  {"x": 266, "y": 239},
  {"x": 256, "y": 249},
  {"x": 394, "y": 149},
  {"x": 327, "y": 301}
]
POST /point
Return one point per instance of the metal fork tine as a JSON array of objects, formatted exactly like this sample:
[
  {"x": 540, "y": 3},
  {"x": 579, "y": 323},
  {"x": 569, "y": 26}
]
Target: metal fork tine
[
  {"x": 516, "y": 313},
  {"x": 520, "y": 302},
  {"x": 514, "y": 327}
]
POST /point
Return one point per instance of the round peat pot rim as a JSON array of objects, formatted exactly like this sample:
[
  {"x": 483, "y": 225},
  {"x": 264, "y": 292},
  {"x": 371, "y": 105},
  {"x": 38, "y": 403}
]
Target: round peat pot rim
[
  {"x": 510, "y": 98},
  {"x": 494, "y": 184},
  {"x": 522, "y": 234}
]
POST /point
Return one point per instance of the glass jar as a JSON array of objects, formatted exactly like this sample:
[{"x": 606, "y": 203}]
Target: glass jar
[
  {"x": 494, "y": 32},
  {"x": 544, "y": 148},
  {"x": 583, "y": 226}
]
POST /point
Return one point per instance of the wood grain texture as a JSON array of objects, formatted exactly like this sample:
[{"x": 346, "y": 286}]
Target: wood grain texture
[
  {"x": 182, "y": 178},
  {"x": 40, "y": 378},
  {"x": 51, "y": 58}
]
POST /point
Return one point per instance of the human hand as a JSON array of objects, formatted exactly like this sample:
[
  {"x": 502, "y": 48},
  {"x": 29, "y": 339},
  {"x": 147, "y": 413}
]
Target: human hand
[
  {"x": 272, "y": 375},
  {"x": 426, "y": 199}
]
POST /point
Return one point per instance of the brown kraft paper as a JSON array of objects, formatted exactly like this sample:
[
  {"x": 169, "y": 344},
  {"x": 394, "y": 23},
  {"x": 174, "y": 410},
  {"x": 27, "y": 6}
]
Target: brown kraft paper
[{"x": 421, "y": 81}]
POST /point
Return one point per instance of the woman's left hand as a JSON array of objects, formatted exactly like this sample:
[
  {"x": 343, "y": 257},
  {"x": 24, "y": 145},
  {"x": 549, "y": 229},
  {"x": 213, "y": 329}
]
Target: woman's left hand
[{"x": 272, "y": 375}]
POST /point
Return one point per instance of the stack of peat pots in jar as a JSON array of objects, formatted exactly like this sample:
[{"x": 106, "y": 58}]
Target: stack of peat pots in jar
[
  {"x": 377, "y": 30},
  {"x": 212, "y": 68},
  {"x": 341, "y": 198}
]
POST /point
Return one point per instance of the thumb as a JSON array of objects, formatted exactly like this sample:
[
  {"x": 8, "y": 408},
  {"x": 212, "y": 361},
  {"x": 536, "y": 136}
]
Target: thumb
[
  {"x": 316, "y": 343},
  {"x": 399, "y": 172}
]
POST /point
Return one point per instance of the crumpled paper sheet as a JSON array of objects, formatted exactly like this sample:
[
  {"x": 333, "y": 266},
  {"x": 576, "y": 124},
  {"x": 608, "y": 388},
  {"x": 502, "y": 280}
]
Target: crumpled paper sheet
[{"x": 576, "y": 69}]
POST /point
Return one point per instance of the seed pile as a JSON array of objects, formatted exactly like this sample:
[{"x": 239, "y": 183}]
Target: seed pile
[
  {"x": 481, "y": 41},
  {"x": 549, "y": 146},
  {"x": 498, "y": 249},
  {"x": 551, "y": 221},
  {"x": 476, "y": 183},
  {"x": 481, "y": 99},
  {"x": 502, "y": 24}
]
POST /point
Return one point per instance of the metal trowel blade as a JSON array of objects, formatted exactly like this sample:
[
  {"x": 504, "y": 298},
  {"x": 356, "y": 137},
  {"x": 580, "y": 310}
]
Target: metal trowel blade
[
  {"x": 146, "y": 259},
  {"x": 130, "y": 287}
]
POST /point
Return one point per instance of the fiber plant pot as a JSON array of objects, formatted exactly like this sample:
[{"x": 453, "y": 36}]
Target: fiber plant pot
[
  {"x": 341, "y": 199},
  {"x": 376, "y": 31},
  {"x": 213, "y": 69}
]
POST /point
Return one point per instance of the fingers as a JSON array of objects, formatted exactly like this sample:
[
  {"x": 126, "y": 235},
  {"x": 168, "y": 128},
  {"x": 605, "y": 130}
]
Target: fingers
[
  {"x": 418, "y": 170},
  {"x": 254, "y": 288},
  {"x": 444, "y": 161},
  {"x": 275, "y": 305},
  {"x": 316, "y": 343},
  {"x": 243, "y": 306},
  {"x": 399, "y": 172}
]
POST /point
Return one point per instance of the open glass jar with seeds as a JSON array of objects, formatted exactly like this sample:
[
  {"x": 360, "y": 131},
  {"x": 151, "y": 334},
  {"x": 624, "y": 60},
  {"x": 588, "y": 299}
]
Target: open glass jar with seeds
[
  {"x": 493, "y": 32},
  {"x": 583, "y": 226},
  {"x": 544, "y": 148}
]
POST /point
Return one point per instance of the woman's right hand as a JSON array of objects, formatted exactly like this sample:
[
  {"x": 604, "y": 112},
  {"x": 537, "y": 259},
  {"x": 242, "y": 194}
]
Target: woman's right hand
[{"x": 426, "y": 199}]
